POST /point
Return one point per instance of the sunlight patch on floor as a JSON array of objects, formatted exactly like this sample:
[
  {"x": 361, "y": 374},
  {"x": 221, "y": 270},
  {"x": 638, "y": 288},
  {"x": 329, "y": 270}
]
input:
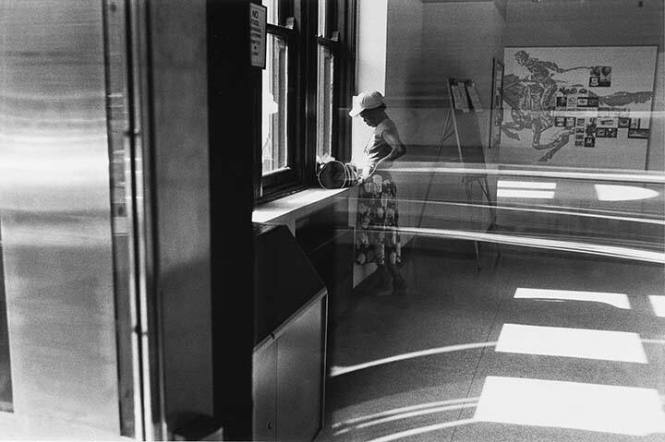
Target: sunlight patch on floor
[
  {"x": 559, "y": 404},
  {"x": 658, "y": 305},
  {"x": 571, "y": 342}
]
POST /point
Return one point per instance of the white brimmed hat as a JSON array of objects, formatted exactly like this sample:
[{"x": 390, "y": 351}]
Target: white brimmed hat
[{"x": 366, "y": 100}]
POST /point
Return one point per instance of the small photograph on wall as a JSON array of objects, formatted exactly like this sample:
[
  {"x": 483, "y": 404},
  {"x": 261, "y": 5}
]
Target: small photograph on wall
[
  {"x": 571, "y": 102},
  {"x": 608, "y": 122},
  {"x": 570, "y": 122},
  {"x": 600, "y": 76},
  {"x": 543, "y": 84},
  {"x": 638, "y": 133}
]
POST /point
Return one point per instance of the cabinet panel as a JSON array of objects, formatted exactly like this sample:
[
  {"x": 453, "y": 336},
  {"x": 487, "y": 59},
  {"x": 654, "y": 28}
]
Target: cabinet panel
[
  {"x": 265, "y": 392},
  {"x": 299, "y": 378}
]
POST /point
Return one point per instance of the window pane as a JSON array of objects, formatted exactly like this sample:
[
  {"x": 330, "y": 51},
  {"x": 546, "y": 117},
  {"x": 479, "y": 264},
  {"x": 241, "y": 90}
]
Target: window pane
[
  {"x": 272, "y": 12},
  {"x": 322, "y": 18},
  {"x": 324, "y": 114},
  {"x": 274, "y": 118}
]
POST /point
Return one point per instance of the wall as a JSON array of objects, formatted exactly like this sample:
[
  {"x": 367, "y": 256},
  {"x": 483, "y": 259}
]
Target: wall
[
  {"x": 429, "y": 42},
  {"x": 404, "y": 62},
  {"x": 596, "y": 23},
  {"x": 371, "y": 62},
  {"x": 182, "y": 204},
  {"x": 403, "y": 49},
  {"x": 459, "y": 41}
]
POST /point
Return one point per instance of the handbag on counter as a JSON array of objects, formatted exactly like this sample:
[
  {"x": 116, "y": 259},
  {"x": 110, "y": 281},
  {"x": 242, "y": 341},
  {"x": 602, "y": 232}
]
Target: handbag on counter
[{"x": 337, "y": 175}]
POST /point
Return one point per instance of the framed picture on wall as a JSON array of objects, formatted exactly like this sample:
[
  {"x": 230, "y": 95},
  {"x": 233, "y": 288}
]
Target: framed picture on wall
[
  {"x": 609, "y": 90},
  {"x": 496, "y": 104}
]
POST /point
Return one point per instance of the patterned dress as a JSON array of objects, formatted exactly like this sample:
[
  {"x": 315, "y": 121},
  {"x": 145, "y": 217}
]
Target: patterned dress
[{"x": 377, "y": 234}]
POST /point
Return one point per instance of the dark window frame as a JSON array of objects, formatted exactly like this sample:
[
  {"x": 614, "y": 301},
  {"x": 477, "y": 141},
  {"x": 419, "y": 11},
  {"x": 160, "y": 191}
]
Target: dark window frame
[{"x": 298, "y": 22}]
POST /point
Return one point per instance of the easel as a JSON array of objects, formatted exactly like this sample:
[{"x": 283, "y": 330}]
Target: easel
[{"x": 461, "y": 103}]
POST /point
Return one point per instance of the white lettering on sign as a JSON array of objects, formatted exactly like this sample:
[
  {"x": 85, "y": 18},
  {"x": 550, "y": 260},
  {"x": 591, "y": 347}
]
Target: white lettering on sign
[{"x": 257, "y": 35}]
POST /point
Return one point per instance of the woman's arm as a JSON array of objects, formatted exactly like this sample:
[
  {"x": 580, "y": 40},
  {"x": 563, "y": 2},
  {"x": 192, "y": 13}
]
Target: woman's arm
[{"x": 398, "y": 148}]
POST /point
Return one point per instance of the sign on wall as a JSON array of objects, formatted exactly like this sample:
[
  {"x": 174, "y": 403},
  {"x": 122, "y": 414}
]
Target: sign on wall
[
  {"x": 257, "y": 35},
  {"x": 578, "y": 106}
]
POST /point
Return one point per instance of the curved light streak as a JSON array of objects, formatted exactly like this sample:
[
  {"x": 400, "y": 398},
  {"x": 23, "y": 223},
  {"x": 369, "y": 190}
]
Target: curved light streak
[
  {"x": 404, "y": 416},
  {"x": 618, "y": 300},
  {"x": 422, "y": 430},
  {"x": 522, "y": 193},
  {"x": 533, "y": 210},
  {"x": 542, "y": 243},
  {"x": 393, "y": 411},
  {"x": 340, "y": 370},
  {"x": 599, "y": 176}
]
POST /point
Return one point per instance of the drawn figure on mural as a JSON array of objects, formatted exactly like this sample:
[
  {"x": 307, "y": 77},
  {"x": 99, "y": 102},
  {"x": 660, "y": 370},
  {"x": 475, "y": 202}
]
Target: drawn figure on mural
[{"x": 532, "y": 100}]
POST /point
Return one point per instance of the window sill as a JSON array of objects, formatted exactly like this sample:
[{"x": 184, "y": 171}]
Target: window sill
[{"x": 289, "y": 209}]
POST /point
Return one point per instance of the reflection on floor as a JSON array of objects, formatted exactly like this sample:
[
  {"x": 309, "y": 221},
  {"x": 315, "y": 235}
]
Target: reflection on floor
[{"x": 534, "y": 346}]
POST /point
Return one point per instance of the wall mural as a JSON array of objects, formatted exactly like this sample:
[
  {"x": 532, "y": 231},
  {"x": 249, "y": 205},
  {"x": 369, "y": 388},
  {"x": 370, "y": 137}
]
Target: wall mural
[{"x": 578, "y": 106}]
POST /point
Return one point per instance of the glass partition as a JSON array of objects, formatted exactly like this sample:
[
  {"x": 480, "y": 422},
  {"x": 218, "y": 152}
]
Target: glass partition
[{"x": 512, "y": 262}]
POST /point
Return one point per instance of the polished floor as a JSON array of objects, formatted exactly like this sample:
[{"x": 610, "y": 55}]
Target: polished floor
[{"x": 534, "y": 346}]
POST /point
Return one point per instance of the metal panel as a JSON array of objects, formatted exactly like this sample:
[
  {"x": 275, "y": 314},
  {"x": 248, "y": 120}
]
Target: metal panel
[
  {"x": 265, "y": 392},
  {"x": 300, "y": 350},
  {"x": 5, "y": 369},
  {"x": 56, "y": 226}
]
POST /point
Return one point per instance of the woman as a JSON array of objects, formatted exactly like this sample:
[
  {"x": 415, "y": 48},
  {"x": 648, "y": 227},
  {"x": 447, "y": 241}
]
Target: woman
[{"x": 377, "y": 235}]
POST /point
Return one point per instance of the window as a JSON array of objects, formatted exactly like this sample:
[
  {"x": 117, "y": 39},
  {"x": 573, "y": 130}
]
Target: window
[
  {"x": 275, "y": 99},
  {"x": 275, "y": 109},
  {"x": 325, "y": 85},
  {"x": 309, "y": 43},
  {"x": 280, "y": 166}
]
